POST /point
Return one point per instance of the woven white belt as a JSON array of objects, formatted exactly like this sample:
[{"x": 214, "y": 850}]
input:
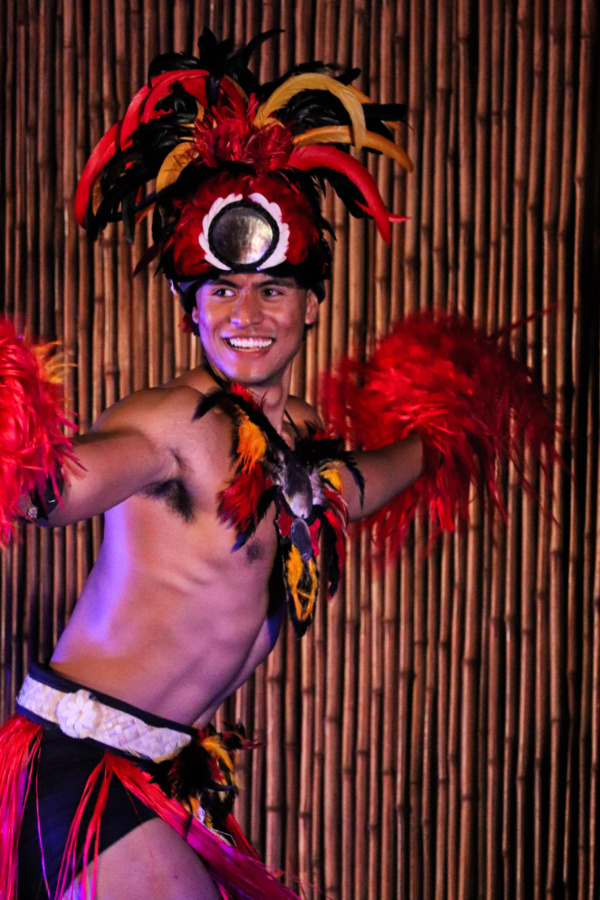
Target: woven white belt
[{"x": 79, "y": 715}]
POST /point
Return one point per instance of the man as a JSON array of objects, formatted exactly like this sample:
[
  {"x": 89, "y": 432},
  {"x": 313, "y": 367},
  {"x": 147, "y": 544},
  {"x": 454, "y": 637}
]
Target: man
[{"x": 185, "y": 600}]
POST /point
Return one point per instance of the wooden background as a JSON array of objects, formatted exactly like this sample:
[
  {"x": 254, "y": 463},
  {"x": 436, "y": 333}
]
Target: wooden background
[{"x": 437, "y": 733}]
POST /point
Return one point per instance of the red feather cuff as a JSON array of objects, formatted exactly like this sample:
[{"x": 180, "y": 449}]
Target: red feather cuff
[
  {"x": 472, "y": 403},
  {"x": 32, "y": 444}
]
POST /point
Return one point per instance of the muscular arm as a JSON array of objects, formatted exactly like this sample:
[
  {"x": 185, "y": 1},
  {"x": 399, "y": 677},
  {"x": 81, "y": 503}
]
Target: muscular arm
[
  {"x": 131, "y": 446},
  {"x": 387, "y": 472}
]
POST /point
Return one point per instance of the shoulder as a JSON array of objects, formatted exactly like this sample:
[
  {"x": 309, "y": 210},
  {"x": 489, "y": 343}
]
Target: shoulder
[
  {"x": 150, "y": 410},
  {"x": 165, "y": 417}
]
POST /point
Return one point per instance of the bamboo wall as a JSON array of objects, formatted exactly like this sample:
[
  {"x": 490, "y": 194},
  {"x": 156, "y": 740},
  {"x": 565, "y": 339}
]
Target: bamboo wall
[{"x": 437, "y": 734}]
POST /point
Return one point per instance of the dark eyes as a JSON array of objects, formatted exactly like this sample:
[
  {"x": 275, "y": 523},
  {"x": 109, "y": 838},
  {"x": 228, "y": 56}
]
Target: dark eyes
[{"x": 227, "y": 292}]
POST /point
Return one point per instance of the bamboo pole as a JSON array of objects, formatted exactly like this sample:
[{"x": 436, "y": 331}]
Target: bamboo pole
[
  {"x": 416, "y": 769},
  {"x": 480, "y": 280},
  {"x": 363, "y": 743},
  {"x": 292, "y": 751},
  {"x": 557, "y": 604},
  {"x": 530, "y": 95},
  {"x": 503, "y": 315},
  {"x": 349, "y": 727},
  {"x": 405, "y": 667},
  {"x": 588, "y": 766},
  {"x": 443, "y": 717},
  {"x": 318, "y": 753},
  {"x": 578, "y": 427},
  {"x": 430, "y": 725},
  {"x": 275, "y": 781},
  {"x": 389, "y": 738},
  {"x": 334, "y": 668},
  {"x": 375, "y": 875},
  {"x": 306, "y": 761}
]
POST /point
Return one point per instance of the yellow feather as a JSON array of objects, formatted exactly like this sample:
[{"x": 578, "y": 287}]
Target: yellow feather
[
  {"x": 252, "y": 444},
  {"x": 213, "y": 745},
  {"x": 332, "y": 475},
  {"x": 341, "y": 134},
  {"x": 53, "y": 367},
  {"x": 313, "y": 81},
  {"x": 177, "y": 160},
  {"x": 295, "y": 568}
]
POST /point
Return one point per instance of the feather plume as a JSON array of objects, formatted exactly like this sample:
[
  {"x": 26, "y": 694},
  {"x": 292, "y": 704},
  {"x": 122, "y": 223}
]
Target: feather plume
[
  {"x": 32, "y": 443},
  {"x": 237, "y": 123},
  {"x": 351, "y": 98},
  {"x": 472, "y": 403}
]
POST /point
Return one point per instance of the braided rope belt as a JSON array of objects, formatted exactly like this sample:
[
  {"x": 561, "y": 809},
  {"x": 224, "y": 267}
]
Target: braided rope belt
[{"x": 79, "y": 715}]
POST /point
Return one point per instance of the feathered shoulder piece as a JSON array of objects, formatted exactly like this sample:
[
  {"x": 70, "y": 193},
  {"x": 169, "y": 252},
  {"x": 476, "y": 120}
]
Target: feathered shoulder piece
[
  {"x": 32, "y": 444},
  {"x": 472, "y": 402},
  {"x": 304, "y": 484},
  {"x": 206, "y": 147}
]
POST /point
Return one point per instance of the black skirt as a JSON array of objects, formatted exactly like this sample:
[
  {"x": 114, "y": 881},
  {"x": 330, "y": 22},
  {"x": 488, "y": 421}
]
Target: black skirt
[{"x": 58, "y": 779}]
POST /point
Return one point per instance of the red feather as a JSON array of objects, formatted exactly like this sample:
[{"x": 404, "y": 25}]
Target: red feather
[
  {"x": 131, "y": 119},
  {"x": 102, "y": 152},
  {"x": 19, "y": 744},
  {"x": 32, "y": 444},
  {"x": 227, "y": 134},
  {"x": 314, "y": 157},
  {"x": 238, "y": 502},
  {"x": 472, "y": 403}
]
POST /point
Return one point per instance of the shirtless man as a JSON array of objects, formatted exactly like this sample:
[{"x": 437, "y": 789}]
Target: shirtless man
[
  {"x": 146, "y": 628},
  {"x": 173, "y": 618}
]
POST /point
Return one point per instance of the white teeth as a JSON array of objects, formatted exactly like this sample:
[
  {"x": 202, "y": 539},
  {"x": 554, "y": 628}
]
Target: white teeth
[{"x": 249, "y": 343}]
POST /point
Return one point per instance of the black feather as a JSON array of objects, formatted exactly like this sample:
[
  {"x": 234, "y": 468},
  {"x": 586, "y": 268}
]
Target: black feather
[{"x": 329, "y": 558}]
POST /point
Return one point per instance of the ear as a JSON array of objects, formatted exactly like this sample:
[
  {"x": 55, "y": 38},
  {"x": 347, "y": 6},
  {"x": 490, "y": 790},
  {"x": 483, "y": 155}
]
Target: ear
[
  {"x": 312, "y": 308},
  {"x": 195, "y": 315}
]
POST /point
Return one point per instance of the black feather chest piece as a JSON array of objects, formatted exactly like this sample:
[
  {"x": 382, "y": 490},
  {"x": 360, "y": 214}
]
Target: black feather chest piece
[{"x": 304, "y": 484}]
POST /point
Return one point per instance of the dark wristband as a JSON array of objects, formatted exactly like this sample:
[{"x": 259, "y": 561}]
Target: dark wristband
[{"x": 42, "y": 505}]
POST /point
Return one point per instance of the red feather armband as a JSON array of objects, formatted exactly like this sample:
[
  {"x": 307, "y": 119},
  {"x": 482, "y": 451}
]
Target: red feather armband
[
  {"x": 33, "y": 447},
  {"x": 471, "y": 402}
]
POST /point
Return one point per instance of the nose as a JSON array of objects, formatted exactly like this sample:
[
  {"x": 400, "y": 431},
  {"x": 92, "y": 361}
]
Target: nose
[{"x": 247, "y": 309}]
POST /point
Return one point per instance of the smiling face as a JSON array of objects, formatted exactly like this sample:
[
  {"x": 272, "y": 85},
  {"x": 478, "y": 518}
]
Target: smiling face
[{"x": 251, "y": 325}]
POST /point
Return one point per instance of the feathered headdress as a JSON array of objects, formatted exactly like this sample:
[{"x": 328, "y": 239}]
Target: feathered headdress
[{"x": 233, "y": 170}]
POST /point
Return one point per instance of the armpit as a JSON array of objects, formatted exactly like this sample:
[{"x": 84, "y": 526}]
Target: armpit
[{"x": 175, "y": 494}]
